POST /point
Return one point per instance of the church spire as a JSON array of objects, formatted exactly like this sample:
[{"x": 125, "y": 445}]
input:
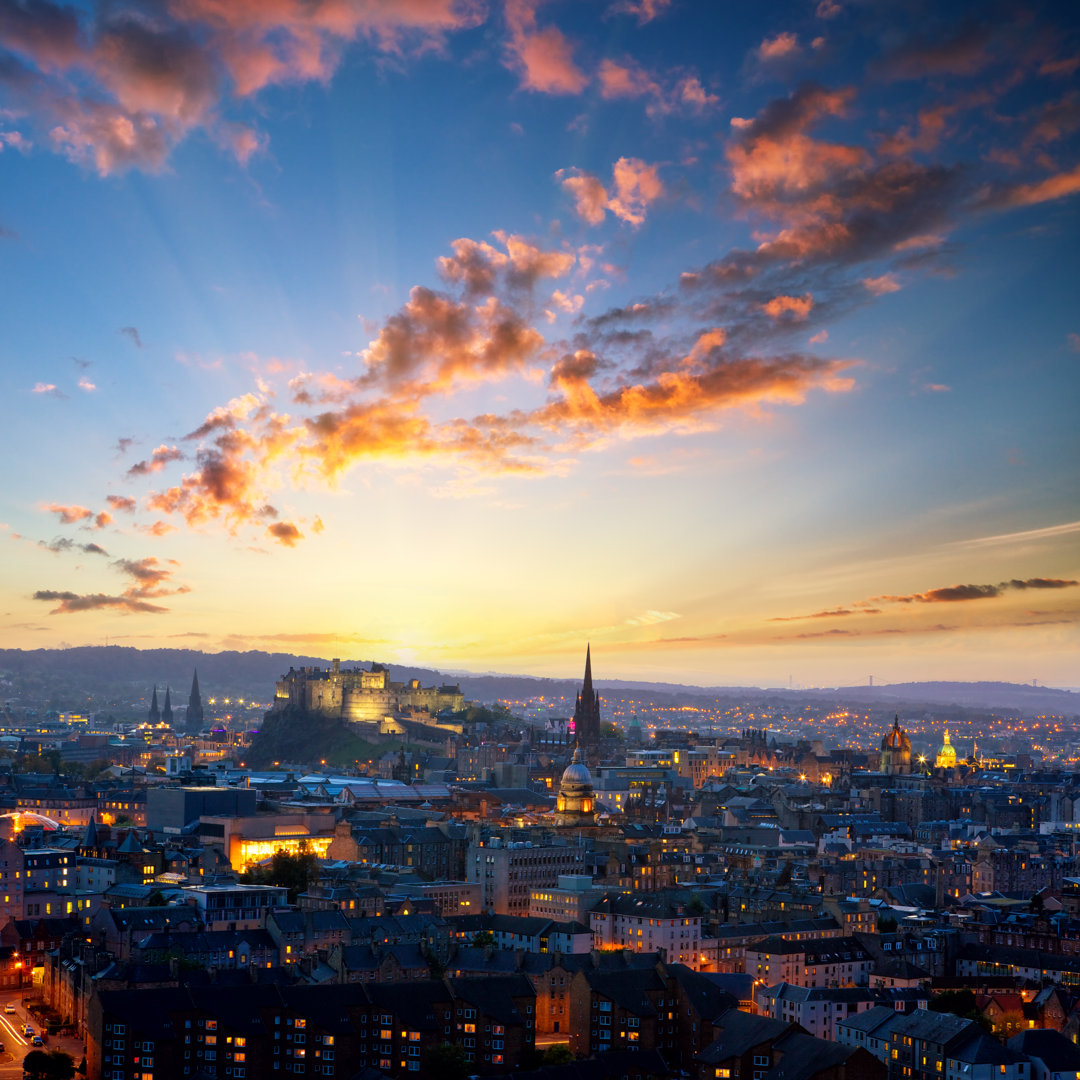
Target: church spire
[
  {"x": 155, "y": 712},
  {"x": 194, "y": 707},
  {"x": 587, "y": 708},
  {"x": 166, "y": 712}
]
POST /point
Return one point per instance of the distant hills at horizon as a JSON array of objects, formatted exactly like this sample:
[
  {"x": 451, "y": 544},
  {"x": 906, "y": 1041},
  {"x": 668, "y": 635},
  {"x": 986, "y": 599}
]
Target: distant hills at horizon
[{"x": 97, "y": 670}]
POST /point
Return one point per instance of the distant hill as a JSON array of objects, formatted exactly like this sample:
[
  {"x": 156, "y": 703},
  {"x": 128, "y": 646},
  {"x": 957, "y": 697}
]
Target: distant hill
[{"x": 91, "y": 676}]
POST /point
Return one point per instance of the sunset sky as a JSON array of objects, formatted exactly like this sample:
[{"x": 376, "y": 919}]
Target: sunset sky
[{"x": 741, "y": 340}]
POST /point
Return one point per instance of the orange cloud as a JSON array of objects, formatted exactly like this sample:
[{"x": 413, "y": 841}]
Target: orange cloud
[
  {"x": 121, "y": 503},
  {"x": 1058, "y": 186},
  {"x": 483, "y": 269},
  {"x": 69, "y": 515},
  {"x": 157, "y": 461},
  {"x": 798, "y": 307},
  {"x": 542, "y": 58},
  {"x": 435, "y": 341},
  {"x": 590, "y": 196},
  {"x": 635, "y": 186},
  {"x": 285, "y": 533}
]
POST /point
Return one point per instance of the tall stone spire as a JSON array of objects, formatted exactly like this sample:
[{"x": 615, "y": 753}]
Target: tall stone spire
[
  {"x": 166, "y": 712},
  {"x": 587, "y": 709},
  {"x": 194, "y": 706},
  {"x": 155, "y": 712}
]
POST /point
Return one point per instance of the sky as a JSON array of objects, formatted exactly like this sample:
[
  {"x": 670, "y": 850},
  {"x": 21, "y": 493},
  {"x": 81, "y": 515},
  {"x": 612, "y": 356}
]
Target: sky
[{"x": 739, "y": 340}]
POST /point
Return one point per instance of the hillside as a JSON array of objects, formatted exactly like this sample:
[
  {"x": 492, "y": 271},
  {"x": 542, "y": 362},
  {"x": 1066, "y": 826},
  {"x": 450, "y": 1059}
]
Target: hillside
[{"x": 119, "y": 678}]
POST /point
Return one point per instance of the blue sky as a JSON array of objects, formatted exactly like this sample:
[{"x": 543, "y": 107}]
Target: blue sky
[{"x": 739, "y": 339}]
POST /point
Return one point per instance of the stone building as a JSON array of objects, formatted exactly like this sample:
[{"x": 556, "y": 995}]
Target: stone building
[
  {"x": 896, "y": 751},
  {"x": 361, "y": 695},
  {"x": 576, "y": 804}
]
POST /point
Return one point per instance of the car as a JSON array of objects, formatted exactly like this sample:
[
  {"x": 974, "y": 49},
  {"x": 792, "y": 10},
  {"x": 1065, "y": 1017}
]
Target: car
[
  {"x": 27, "y": 1030},
  {"x": 9, "y": 1009},
  {"x": 36, "y": 1041}
]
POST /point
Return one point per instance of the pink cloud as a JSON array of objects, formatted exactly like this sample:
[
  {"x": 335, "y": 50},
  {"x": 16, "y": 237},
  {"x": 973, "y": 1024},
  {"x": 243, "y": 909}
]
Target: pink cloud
[
  {"x": 542, "y": 58},
  {"x": 635, "y": 186},
  {"x": 116, "y": 89},
  {"x": 157, "y": 461},
  {"x": 643, "y": 10},
  {"x": 590, "y": 196},
  {"x": 69, "y": 515},
  {"x": 1058, "y": 186},
  {"x": 879, "y": 286},
  {"x": 784, "y": 44}
]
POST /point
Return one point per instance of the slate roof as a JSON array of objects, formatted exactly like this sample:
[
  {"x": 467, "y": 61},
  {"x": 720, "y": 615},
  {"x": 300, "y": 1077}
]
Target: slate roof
[
  {"x": 627, "y": 988},
  {"x": 708, "y": 998},
  {"x": 740, "y": 1032},
  {"x": 870, "y": 1020},
  {"x": 493, "y": 995},
  {"x": 1056, "y": 1052}
]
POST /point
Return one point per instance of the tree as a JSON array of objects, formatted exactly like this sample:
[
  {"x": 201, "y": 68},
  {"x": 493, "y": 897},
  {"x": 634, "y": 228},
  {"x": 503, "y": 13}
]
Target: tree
[
  {"x": 887, "y": 924},
  {"x": 784, "y": 877},
  {"x": 37, "y": 1065},
  {"x": 482, "y": 939},
  {"x": 960, "y": 1003},
  {"x": 559, "y": 1054},
  {"x": 695, "y": 905},
  {"x": 294, "y": 872},
  {"x": 157, "y": 899},
  {"x": 446, "y": 1061},
  {"x": 62, "y": 1065}
]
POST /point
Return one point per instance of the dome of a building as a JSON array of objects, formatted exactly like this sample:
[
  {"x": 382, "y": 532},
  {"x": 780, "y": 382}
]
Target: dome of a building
[
  {"x": 946, "y": 758},
  {"x": 576, "y": 803},
  {"x": 576, "y": 772}
]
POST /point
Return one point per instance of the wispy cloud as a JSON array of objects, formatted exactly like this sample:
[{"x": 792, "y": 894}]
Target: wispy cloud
[{"x": 1048, "y": 532}]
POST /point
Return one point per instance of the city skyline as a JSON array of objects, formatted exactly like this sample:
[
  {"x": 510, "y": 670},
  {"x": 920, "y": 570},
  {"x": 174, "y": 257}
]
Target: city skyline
[{"x": 742, "y": 344}]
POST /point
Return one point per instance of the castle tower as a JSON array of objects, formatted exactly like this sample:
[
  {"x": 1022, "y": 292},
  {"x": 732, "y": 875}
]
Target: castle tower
[
  {"x": 587, "y": 709},
  {"x": 166, "y": 712},
  {"x": 195, "y": 715},
  {"x": 155, "y": 712}
]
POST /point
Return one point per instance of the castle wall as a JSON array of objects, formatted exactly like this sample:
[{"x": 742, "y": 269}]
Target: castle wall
[{"x": 361, "y": 696}]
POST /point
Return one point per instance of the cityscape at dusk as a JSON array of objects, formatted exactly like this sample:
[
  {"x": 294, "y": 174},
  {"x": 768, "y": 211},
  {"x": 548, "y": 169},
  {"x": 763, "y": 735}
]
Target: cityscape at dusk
[
  {"x": 740, "y": 340},
  {"x": 539, "y": 539}
]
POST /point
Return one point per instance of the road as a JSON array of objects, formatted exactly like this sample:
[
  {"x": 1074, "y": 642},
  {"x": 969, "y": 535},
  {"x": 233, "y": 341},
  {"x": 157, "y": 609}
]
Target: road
[{"x": 17, "y": 1045}]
